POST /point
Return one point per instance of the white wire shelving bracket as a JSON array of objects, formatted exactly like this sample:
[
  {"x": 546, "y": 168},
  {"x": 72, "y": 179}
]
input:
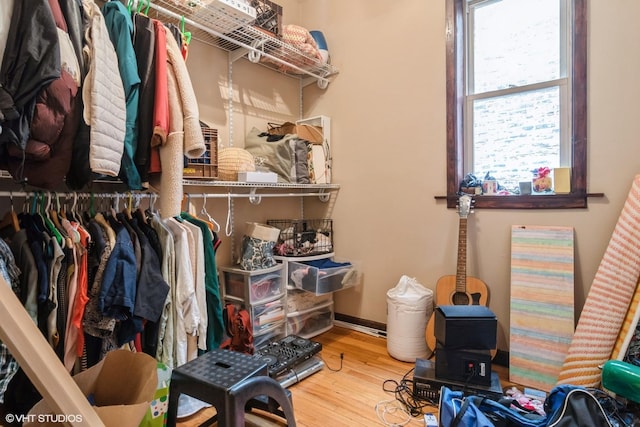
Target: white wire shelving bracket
[{"x": 237, "y": 36}]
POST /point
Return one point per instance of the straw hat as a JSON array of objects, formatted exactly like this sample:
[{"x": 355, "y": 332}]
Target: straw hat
[{"x": 232, "y": 160}]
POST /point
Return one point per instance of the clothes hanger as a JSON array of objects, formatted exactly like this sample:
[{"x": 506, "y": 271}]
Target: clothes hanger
[
  {"x": 53, "y": 214},
  {"x": 184, "y": 208},
  {"x": 67, "y": 210},
  {"x": 213, "y": 225},
  {"x": 10, "y": 219},
  {"x": 150, "y": 211},
  {"x": 92, "y": 208},
  {"x": 102, "y": 222},
  {"x": 50, "y": 226},
  {"x": 228, "y": 229},
  {"x": 35, "y": 219},
  {"x": 115, "y": 207},
  {"x": 63, "y": 208},
  {"x": 186, "y": 35},
  {"x": 146, "y": 11},
  {"x": 127, "y": 207}
]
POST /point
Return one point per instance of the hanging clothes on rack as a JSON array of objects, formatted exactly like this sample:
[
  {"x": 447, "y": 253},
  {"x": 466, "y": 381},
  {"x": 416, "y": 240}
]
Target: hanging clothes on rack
[
  {"x": 186, "y": 315},
  {"x": 117, "y": 294},
  {"x": 10, "y": 272},
  {"x": 161, "y": 98},
  {"x": 31, "y": 61},
  {"x": 29, "y": 278},
  {"x": 79, "y": 173},
  {"x": 103, "y": 91},
  {"x": 55, "y": 270},
  {"x": 71, "y": 334},
  {"x": 185, "y": 135},
  {"x": 5, "y": 23},
  {"x": 199, "y": 341},
  {"x": 166, "y": 327},
  {"x": 81, "y": 296},
  {"x": 144, "y": 44},
  {"x": 46, "y": 157},
  {"x": 152, "y": 289},
  {"x": 120, "y": 27},
  {"x": 99, "y": 329},
  {"x": 215, "y": 326},
  {"x": 90, "y": 293}
]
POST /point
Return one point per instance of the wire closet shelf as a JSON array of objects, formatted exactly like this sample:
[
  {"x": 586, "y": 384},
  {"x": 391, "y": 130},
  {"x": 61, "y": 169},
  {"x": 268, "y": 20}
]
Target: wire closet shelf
[{"x": 236, "y": 34}]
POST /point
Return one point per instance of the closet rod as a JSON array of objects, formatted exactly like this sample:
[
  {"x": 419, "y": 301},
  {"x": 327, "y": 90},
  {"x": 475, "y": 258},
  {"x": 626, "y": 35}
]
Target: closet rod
[
  {"x": 250, "y": 195},
  {"x": 113, "y": 194},
  {"x": 121, "y": 195}
]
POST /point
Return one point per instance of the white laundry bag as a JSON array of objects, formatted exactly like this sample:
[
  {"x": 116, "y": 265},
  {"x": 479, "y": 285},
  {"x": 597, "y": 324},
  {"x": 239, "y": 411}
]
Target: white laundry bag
[{"x": 409, "y": 306}]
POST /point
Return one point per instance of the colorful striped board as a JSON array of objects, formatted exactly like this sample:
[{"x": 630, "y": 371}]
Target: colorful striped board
[
  {"x": 542, "y": 303},
  {"x": 608, "y": 300}
]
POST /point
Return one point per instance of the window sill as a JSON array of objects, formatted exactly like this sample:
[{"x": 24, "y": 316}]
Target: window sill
[{"x": 537, "y": 201}]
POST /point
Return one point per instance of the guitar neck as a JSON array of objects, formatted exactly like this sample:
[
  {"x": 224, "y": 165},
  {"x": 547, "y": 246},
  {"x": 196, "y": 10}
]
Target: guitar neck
[{"x": 461, "y": 269}]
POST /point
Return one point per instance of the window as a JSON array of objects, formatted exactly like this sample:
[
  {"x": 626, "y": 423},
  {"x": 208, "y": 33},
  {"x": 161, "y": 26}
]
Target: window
[{"x": 516, "y": 96}]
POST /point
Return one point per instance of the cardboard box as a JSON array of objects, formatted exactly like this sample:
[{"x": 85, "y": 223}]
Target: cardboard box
[
  {"x": 120, "y": 388},
  {"x": 308, "y": 132}
]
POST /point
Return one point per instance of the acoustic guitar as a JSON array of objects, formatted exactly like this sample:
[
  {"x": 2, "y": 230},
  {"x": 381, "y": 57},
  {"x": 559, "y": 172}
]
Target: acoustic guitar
[{"x": 458, "y": 289}]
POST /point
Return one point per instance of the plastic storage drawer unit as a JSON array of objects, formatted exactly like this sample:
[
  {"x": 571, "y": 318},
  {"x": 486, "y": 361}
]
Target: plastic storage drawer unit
[
  {"x": 270, "y": 334},
  {"x": 312, "y": 322},
  {"x": 322, "y": 276},
  {"x": 263, "y": 315},
  {"x": 285, "y": 260},
  {"x": 253, "y": 286},
  {"x": 299, "y": 300}
]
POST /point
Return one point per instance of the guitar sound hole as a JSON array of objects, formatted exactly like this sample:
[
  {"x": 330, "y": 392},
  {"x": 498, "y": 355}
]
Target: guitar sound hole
[{"x": 460, "y": 298}]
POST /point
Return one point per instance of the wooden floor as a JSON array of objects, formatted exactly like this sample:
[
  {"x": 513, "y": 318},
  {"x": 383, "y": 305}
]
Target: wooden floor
[{"x": 355, "y": 395}]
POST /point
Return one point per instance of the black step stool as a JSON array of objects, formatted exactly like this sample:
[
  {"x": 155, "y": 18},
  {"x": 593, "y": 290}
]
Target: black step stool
[{"x": 232, "y": 382}]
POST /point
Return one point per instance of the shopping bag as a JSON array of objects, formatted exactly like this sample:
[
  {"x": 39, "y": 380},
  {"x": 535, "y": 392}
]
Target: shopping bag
[{"x": 156, "y": 415}]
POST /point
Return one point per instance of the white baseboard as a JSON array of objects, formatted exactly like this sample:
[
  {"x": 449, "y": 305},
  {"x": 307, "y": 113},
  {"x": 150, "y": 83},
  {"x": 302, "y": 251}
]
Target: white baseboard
[{"x": 364, "y": 329}]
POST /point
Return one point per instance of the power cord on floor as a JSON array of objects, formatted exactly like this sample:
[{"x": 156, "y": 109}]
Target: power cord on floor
[
  {"x": 390, "y": 408},
  {"x": 333, "y": 369},
  {"x": 403, "y": 392}
]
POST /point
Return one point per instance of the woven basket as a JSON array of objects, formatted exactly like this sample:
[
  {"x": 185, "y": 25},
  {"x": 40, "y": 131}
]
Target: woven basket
[{"x": 232, "y": 160}]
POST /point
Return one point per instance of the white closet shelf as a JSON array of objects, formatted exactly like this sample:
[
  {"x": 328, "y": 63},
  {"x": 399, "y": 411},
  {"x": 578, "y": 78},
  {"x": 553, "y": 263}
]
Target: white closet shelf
[
  {"x": 255, "y": 192},
  {"x": 241, "y": 39},
  {"x": 236, "y": 184}
]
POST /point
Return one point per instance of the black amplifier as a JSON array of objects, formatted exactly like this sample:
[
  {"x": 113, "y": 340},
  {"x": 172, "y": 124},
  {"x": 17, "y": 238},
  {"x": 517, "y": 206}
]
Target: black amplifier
[{"x": 427, "y": 386}]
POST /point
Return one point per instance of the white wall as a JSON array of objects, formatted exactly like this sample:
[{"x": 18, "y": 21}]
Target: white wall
[{"x": 388, "y": 107}]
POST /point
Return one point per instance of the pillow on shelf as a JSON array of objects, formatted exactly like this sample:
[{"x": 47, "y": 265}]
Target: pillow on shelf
[{"x": 300, "y": 38}]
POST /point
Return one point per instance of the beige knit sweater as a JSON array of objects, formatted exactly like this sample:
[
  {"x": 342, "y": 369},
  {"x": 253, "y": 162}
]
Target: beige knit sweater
[{"x": 185, "y": 135}]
